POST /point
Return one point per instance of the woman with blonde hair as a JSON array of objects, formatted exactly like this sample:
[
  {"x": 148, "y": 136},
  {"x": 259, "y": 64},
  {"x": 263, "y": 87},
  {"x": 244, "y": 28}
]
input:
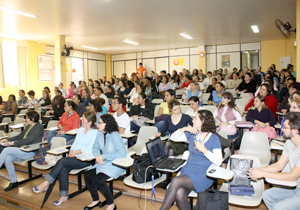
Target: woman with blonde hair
[{"x": 193, "y": 91}]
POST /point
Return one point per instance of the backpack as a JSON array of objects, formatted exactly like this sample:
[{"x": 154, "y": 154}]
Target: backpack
[
  {"x": 139, "y": 167},
  {"x": 212, "y": 199}
]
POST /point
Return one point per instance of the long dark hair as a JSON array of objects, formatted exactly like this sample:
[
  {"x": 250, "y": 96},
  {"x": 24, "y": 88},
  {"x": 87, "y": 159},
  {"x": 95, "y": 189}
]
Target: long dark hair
[{"x": 231, "y": 103}]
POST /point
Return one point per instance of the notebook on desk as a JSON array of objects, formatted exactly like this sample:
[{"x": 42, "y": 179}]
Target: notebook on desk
[{"x": 159, "y": 159}]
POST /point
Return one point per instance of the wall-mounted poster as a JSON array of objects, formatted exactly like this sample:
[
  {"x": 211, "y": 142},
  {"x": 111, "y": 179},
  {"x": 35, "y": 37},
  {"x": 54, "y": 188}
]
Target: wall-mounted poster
[
  {"x": 225, "y": 61},
  {"x": 178, "y": 62},
  {"x": 45, "y": 65}
]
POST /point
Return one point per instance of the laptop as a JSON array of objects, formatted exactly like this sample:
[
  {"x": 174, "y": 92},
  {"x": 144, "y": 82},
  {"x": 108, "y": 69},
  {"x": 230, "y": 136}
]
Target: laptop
[{"x": 159, "y": 159}]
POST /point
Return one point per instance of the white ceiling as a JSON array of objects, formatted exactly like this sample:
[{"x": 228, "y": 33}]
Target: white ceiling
[{"x": 155, "y": 24}]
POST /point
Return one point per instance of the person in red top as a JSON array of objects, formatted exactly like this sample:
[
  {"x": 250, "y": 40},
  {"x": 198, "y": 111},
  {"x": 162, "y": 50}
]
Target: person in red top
[
  {"x": 68, "y": 121},
  {"x": 271, "y": 101},
  {"x": 187, "y": 81},
  {"x": 140, "y": 70}
]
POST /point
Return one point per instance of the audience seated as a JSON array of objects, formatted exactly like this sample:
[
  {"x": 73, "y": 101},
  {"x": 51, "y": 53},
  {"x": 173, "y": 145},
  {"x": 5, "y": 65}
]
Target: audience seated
[
  {"x": 284, "y": 89},
  {"x": 220, "y": 79},
  {"x": 271, "y": 101},
  {"x": 143, "y": 109},
  {"x": 197, "y": 80},
  {"x": 83, "y": 143},
  {"x": 86, "y": 97},
  {"x": 99, "y": 94},
  {"x": 284, "y": 106},
  {"x": 123, "y": 88},
  {"x": 95, "y": 177},
  {"x": 194, "y": 106},
  {"x": 234, "y": 82},
  {"x": 212, "y": 86},
  {"x": 172, "y": 123},
  {"x": 227, "y": 114},
  {"x": 176, "y": 83},
  {"x": 95, "y": 106},
  {"x": 133, "y": 89},
  {"x": 164, "y": 85},
  {"x": 109, "y": 91},
  {"x": 71, "y": 90},
  {"x": 110, "y": 110},
  {"x": 33, "y": 133},
  {"x": 164, "y": 110},
  {"x": 279, "y": 197},
  {"x": 261, "y": 115},
  {"x": 102, "y": 102},
  {"x": 22, "y": 99},
  {"x": 116, "y": 85},
  {"x": 133, "y": 98},
  {"x": 81, "y": 108},
  {"x": 10, "y": 108},
  {"x": 215, "y": 96},
  {"x": 247, "y": 86},
  {"x": 56, "y": 89},
  {"x": 187, "y": 81},
  {"x": 68, "y": 121},
  {"x": 63, "y": 91},
  {"x": 193, "y": 91},
  {"x": 32, "y": 101},
  {"x": 294, "y": 107},
  {"x": 45, "y": 100},
  {"x": 58, "y": 109},
  {"x": 203, "y": 152},
  {"x": 149, "y": 89},
  {"x": 201, "y": 75},
  {"x": 120, "y": 115}
]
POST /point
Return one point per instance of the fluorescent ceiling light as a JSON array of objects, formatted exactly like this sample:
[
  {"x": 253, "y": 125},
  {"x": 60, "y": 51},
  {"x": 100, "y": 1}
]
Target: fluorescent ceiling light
[
  {"x": 10, "y": 37},
  {"x": 18, "y": 12},
  {"x": 130, "y": 42},
  {"x": 93, "y": 48},
  {"x": 186, "y": 36},
  {"x": 255, "y": 29}
]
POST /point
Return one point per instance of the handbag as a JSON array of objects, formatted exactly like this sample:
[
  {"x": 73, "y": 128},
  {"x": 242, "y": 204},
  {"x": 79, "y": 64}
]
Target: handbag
[
  {"x": 240, "y": 184},
  {"x": 229, "y": 128},
  {"x": 52, "y": 159},
  {"x": 40, "y": 155},
  {"x": 140, "y": 120},
  {"x": 270, "y": 131},
  {"x": 244, "y": 124},
  {"x": 139, "y": 168},
  {"x": 212, "y": 199}
]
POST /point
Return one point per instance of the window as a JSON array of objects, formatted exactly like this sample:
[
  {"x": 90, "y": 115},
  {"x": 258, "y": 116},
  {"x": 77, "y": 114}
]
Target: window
[{"x": 10, "y": 62}]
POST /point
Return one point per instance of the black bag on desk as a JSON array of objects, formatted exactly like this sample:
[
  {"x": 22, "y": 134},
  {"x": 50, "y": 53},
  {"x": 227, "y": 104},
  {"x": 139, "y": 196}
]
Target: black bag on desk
[
  {"x": 139, "y": 167},
  {"x": 212, "y": 199}
]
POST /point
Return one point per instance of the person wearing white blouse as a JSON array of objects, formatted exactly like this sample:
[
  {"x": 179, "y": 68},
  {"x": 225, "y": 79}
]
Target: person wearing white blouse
[
  {"x": 207, "y": 81},
  {"x": 228, "y": 113}
]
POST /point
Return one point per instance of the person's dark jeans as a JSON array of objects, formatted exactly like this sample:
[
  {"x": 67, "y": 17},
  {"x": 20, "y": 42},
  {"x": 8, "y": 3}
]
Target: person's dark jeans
[
  {"x": 95, "y": 181},
  {"x": 134, "y": 127},
  {"x": 62, "y": 169}
]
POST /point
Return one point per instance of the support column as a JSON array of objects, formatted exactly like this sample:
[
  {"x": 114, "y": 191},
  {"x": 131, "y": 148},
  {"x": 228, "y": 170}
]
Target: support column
[
  {"x": 60, "y": 61},
  {"x": 298, "y": 41},
  {"x": 108, "y": 67},
  {"x": 202, "y": 58}
]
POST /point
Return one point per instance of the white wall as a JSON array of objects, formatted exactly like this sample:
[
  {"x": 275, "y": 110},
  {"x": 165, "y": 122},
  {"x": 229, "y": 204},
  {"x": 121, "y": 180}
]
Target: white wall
[
  {"x": 94, "y": 65},
  {"x": 214, "y": 55},
  {"x": 156, "y": 60}
]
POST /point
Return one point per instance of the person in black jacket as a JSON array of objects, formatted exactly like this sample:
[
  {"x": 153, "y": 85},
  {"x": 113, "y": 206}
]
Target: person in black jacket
[
  {"x": 149, "y": 88},
  {"x": 81, "y": 108},
  {"x": 58, "y": 107},
  {"x": 144, "y": 109},
  {"x": 33, "y": 133},
  {"x": 247, "y": 86}
]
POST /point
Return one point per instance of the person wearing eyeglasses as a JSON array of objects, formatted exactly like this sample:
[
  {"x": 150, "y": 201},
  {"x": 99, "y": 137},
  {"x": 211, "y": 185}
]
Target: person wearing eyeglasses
[
  {"x": 83, "y": 143},
  {"x": 280, "y": 197},
  {"x": 107, "y": 147},
  {"x": 204, "y": 150}
]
